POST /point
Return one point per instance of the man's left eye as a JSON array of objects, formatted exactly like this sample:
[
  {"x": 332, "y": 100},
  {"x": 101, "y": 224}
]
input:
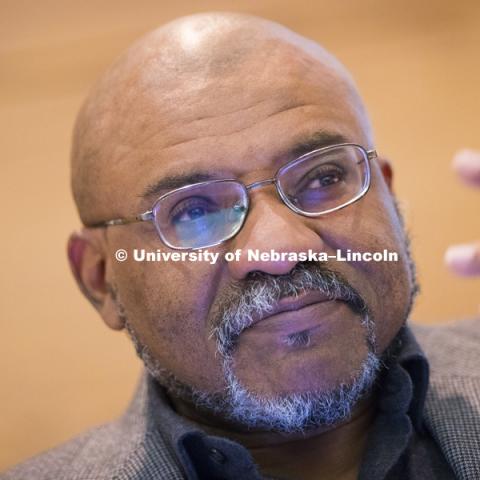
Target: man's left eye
[
  {"x": 323, "y": 177},
  {"x": 324, "y": 181}
]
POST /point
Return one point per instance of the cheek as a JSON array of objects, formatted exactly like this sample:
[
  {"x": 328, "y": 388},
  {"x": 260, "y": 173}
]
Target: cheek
[
  {"x": 396, "y": 279},
  {"x": 391, "y": 280},
  {"x": 167, "y": 304},
  {"x": 372, "y": 225}
]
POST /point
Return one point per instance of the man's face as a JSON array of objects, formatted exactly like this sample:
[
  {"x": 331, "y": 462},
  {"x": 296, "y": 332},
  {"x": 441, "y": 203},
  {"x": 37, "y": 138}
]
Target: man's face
[{"x": 245, "y": 123}]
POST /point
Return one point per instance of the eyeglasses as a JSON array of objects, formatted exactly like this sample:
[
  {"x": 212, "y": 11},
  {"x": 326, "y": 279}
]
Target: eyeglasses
[{"x": 209, "y": 213}]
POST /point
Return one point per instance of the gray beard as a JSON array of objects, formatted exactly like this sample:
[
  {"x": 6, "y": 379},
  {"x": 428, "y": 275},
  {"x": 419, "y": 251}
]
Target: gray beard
[{"x": 295, "y": 412}]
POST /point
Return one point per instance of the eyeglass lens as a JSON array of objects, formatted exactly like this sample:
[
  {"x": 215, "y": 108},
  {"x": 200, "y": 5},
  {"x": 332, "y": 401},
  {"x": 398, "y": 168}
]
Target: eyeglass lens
[
  {"x": 326, "y": 180},
  {"x": 201, "y": 215}
]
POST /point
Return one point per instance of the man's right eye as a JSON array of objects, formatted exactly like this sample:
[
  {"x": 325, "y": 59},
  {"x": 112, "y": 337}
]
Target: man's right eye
[{"x": 191, "y": 209}]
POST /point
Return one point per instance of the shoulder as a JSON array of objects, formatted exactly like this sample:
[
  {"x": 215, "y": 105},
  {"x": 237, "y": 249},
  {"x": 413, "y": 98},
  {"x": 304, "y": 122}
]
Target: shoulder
[
  {"x": 452, "y": 407},
  {"x": 453, "y": 353},
  {"x": 100, "y": 454},
  {"x": 88, "y": 452},
  {"x": 451, "y": 349},
  {"x": 124, "y": 449}
]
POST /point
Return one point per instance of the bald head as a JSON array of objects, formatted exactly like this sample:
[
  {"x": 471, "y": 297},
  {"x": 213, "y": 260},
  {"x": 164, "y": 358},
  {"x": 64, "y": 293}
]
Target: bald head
[{"x": 178, "y": 77}]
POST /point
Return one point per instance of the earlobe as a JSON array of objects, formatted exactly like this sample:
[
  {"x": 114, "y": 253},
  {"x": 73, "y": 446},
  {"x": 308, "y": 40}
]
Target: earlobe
[
  {"x": 111, "y": 315},
  {"x": 387, "y": 172},
  {"x": 88, "y": 264}
]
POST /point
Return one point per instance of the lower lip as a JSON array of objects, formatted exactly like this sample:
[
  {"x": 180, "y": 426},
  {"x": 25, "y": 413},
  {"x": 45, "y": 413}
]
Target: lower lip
[{"x": 309, "y": 317}]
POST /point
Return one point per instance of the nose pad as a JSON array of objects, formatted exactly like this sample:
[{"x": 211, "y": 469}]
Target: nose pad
[
  {"x": 237, "y": 210},
  {"x": 293, "y": 200}
]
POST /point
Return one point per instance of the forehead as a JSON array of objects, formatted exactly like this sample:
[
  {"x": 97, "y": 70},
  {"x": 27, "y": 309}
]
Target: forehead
[{"x": 246, "y": 119}]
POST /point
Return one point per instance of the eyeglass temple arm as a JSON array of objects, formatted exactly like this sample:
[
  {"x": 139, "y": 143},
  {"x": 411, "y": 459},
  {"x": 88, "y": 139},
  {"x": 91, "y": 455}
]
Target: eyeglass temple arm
[{"x": 143, "y": 217}]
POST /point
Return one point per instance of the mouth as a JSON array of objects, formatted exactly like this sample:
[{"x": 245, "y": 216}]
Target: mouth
[{"x": 293, "y": 303}]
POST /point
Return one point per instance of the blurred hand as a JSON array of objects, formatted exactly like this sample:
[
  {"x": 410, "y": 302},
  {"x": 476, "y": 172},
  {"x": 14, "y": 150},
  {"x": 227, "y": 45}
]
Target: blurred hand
[{"x": 465, "y": 259}]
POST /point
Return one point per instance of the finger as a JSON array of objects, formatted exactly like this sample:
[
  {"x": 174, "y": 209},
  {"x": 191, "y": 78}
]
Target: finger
[
  {"x": 464, "y": 259},
  {"x": 467, "y": 164}
]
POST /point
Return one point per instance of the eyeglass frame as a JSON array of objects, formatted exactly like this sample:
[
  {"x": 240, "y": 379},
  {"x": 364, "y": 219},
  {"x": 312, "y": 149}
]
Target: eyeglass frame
[{"x": 149, "y": 215}]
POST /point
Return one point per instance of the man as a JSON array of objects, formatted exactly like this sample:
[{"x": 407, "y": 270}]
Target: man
[{"x": 230, "y": 134}]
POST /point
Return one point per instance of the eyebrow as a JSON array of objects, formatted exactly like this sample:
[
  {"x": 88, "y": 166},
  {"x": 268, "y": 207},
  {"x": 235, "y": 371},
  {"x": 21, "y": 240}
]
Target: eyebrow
[
  {"x": 314, "y": 141},
  {"x": 171, "y": 182},
  {"x": 319, "y": 139}
]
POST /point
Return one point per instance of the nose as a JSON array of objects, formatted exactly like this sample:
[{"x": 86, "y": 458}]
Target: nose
[{"x": 271, "y": 225}]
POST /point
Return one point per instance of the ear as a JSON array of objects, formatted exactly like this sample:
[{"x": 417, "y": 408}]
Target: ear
[
  {"x": 87, "y": 258},
  {"x": 387, "y": 171}
]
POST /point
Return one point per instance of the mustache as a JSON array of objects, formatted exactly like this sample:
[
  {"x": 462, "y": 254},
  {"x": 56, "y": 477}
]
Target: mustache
[{"x": 260, "y": 292}]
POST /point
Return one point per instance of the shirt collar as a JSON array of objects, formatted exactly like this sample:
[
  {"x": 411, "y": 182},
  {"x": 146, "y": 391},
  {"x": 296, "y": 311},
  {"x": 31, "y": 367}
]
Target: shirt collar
[
  {"x": 201, "y": 455},
  {"x": 412, "y": 359}
]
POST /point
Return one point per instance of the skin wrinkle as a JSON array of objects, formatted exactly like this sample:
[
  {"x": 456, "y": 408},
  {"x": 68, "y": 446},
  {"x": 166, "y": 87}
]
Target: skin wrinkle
[
  {"x": 168, "y": 309},
  {"x": 193, "y": 122},
  {"x": 183, "y": 142},
  {"x": 275, "y": 110},
  {"x": 208, "y": 117}
]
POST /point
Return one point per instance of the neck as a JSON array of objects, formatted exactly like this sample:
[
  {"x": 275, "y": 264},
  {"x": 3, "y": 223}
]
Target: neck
[{"x": 332, "y": 452}]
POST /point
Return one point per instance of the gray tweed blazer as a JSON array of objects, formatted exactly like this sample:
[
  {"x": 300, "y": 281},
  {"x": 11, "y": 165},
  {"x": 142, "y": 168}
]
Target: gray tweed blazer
[{"x": 131, "y": 448}]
